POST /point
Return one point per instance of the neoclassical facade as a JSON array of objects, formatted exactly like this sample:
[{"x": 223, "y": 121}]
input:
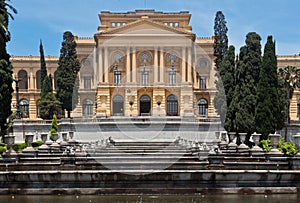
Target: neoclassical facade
[{"x": 141, "y": 63}]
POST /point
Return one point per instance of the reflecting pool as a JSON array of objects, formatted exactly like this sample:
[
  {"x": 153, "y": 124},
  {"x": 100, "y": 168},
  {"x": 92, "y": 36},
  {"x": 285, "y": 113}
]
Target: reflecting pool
[{"x": 153, "y": 199}]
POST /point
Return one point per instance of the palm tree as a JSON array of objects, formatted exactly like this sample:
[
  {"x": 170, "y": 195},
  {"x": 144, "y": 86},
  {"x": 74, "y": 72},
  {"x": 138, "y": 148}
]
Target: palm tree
[
  {"x": 4, "y": 15},
  {"x": 290, "y": 77}
]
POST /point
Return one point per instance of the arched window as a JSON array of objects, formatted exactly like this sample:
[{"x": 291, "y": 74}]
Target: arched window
[
  {"x": 38, "y": 79},
  {"x": 145, "y": 57},
  {"x": 172, "y": 106},
  {"x": 117, "y": 56},
  {"x": 23, "y": 76},
  {"x": 118, "y": 105},
  {"x": 202, "y": 107},
  {"x": 87, "y": 107},
  {"x": 24, "y": 108}
]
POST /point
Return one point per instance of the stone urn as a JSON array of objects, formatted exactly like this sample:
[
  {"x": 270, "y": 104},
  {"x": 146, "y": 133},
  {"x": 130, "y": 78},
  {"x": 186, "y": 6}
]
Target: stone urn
[
  {"x": 9, "y": 140},
  {"x": 44, "y": 137},
  {"x": 274, "y": 139},
  {"x": 242, "y": 146},
  {"x": 71, "y": 141},
  {"x": 256, "y": 139},
  {"x": 297, "y": 140},
  {"x": 223, "y": 144},
  {"x": 29, "y": 139},
  {"x": 64, "y": 136},
  {"x": 232, "y": 145},
  {"x": 274, "y": 142},
  {"x": 55, "y": 138}
]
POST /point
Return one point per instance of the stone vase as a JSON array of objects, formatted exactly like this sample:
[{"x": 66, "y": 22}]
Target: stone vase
[
  {"x": 242, "y": 146},
  {"x": 274, "y": 142},
  {"x": 29, "y": 139},
  {"x": 232, "y": 136},
  {"x": 256, "y": 138},
  {"x": 9, "y": 140},
  {"x": 297, "y": 140},
  {"x": 44, "y": 137},
  {"x": 55, "y": 138}
]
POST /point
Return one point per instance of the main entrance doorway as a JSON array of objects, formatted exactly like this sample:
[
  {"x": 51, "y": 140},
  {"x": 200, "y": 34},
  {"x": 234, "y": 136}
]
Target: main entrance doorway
[
  {"x": 145, "y": 105},
  {"x": 118, "y": 106}
]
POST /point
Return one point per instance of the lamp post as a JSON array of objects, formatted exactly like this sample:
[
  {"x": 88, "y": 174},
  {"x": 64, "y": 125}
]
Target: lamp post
[{"x": 18, "y": 116}]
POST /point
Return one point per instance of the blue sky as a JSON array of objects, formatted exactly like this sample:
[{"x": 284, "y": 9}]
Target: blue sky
[{"x": 48, "y": 19}]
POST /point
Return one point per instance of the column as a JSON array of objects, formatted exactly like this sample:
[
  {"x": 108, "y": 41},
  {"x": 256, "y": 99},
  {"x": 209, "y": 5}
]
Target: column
[
  {"x": 134, "y": 65},
  {"x": 100, "y": 64},
  {"x": 189, "y": 71},
  {"x": 183, "y": 65},
  {"x": 155, "y": 65},
  {"x": 31, "y": 80},
  {"x": 128, "y": 73},
  {"x": 95, "y": 67},
  {"x": 162, "y": 65},
  {"x": 106, "y": 68}
]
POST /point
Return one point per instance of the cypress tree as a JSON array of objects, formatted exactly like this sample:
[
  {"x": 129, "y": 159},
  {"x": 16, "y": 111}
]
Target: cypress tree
[
  {"x": 67, "y": 72},
  {"x": 220, "y": 39},
  {"x": 247, "y": 73},
  {"x": 267, "y": 108},
  {"x": 43, "y": 63},
  {"x": 6, "y": 79},
  {"x": 46, "y": 86},
  {"x": 220, "y": 51},
  {"x": 227, "y": 75}
]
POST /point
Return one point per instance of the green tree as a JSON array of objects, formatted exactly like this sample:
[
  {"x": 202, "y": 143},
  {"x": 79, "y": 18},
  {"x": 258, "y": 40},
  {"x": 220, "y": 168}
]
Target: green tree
[
  {"x": 267, "y": 109},
  {"x": 228, "y": 78},
  {"x": 54, "y": 126},
  {"x": 220, "y": 51},
  {"x": 67, "y": 72},
  {"x": 43, "y": 63},
  {"x": 49, "y": 106},
  {"x": 247, "y": 74},
  {"x": 6, "y": 79},
  {"x": 46, "y": 86},
  {"x": 220, "y": 39}
]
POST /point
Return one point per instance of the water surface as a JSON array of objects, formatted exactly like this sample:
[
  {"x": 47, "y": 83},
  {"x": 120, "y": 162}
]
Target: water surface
[{"x": 153, "y": 199}]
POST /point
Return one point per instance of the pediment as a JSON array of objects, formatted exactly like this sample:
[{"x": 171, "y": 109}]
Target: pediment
[{"x": 145, "y": 26}]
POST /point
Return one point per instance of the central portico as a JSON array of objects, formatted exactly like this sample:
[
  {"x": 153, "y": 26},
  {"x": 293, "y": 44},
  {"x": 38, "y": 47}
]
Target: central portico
[{"x": 148, "y": 63}]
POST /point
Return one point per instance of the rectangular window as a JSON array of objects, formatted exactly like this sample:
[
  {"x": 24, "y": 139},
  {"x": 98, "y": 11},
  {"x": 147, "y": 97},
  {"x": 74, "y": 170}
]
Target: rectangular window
[
  {"x": 172, "y": 77},
  {"x": 145, "y": 77},
  {"x": 202, "y": 82},
  {"x": 117, "y": 77},
  {"x": 87, "y": 82}
]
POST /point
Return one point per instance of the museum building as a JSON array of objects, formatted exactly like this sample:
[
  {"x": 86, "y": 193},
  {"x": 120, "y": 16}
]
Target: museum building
[{"x": 141, "y": 63}]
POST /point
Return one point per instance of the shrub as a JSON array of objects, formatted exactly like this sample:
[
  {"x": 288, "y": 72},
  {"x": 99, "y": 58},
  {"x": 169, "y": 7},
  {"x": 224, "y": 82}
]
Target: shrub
[
  {"x": 2, "y": 144},
  {"x": 19, "y": 147},
  {"x": 265, "y": 145},
  {"x": 37, "y": 144},
  {"x": 2, "y": 149},
  {"x": 287, "y": 148}
]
